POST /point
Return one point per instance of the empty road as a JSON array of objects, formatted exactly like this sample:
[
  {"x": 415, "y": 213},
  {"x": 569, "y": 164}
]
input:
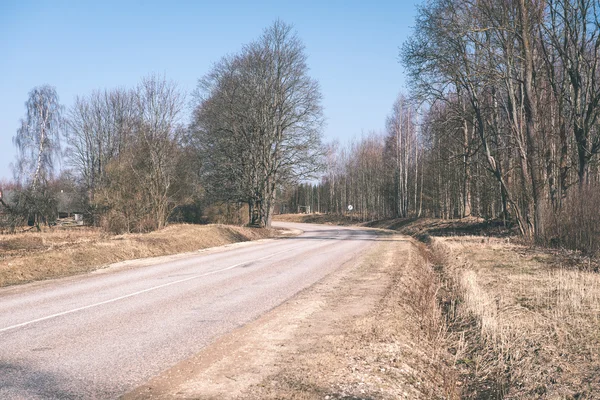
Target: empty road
[{"x": 103, "y": 334}]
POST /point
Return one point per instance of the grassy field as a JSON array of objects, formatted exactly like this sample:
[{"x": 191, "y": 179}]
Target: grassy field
[{"x": 32, "y": 256}]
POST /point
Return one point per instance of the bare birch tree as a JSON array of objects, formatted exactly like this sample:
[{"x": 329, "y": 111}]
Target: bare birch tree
[
  {"x": 38, "y": 145},
  {"x": 38, "y": 138}
]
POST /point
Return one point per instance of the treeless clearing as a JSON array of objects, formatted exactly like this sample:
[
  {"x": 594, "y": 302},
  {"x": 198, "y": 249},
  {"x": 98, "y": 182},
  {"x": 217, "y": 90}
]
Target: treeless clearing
[{"x": 33, "y": 256}]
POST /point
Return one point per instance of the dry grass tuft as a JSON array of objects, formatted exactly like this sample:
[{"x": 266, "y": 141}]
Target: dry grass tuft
[{"x": 33, "y": 256}]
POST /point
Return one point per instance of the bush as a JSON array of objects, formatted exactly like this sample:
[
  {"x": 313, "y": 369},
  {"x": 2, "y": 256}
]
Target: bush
[
  {"x": 227, "y": 213},
  {"x": 114, "y": 222},
  {"x": 190, "y": 213}
]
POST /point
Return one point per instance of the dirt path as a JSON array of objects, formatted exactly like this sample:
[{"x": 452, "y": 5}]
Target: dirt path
[{"x": 346, "y": 337}]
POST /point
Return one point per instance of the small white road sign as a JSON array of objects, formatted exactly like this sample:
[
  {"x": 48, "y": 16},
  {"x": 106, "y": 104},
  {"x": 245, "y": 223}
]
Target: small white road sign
[{"x": 350, "y": 208}]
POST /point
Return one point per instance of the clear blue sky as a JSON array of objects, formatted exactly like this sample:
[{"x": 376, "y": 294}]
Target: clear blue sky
[{"x": 79, "y": 46}]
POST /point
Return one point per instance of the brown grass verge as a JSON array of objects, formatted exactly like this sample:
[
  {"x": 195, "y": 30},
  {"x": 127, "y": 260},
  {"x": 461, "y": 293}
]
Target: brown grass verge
[
  {"x": 33, "y": 256},
  {"x": 395, "y": 348},
  {"x": 530, "y": 325}
]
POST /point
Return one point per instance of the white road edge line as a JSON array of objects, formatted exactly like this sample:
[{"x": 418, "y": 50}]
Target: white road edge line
[{"x": 60, "y": 314}]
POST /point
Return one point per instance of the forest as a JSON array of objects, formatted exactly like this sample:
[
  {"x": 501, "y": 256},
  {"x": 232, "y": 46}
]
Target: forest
[{"x": 500, "y": 122}]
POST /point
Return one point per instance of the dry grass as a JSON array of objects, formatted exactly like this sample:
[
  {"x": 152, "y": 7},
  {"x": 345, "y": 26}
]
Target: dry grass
[
  {"x": 531, "y": 325},
  {"x": 32, "y": 256}
]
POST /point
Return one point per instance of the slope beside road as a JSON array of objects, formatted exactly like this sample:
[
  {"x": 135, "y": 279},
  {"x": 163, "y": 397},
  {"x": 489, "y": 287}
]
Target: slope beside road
[{"x": 103, "y": 334}]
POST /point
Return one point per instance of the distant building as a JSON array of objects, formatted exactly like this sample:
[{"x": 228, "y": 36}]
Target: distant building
[{"x": 69, "y": 204}]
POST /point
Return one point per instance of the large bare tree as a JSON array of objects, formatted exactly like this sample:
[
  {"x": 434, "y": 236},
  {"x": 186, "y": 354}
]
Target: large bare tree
[{"x": 258, "y": 122}]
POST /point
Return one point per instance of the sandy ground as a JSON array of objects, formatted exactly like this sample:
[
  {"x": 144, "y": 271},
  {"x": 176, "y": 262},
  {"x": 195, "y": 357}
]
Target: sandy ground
[{"x": 345, "y": 337}]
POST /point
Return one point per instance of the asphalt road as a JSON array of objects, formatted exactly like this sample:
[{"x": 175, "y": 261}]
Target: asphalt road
[{"x": 103, "y": 334}]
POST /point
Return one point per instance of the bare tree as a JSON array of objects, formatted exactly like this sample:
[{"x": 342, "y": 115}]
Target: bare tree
[
  {"x": 38, "y": 138},
  {"x": 572, "y": 36},
  {"x": 158, "y": 133},
  {"x": 99, "y": 128},
  {"x": 38, "y": 145},
  {"x": 258, "y": 122},
  {"x": 402, "y": 146}
]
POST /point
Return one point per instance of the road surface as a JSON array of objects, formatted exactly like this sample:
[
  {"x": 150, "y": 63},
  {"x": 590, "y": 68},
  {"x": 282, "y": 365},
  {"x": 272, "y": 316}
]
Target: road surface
[{"x": 103, "y": 334}]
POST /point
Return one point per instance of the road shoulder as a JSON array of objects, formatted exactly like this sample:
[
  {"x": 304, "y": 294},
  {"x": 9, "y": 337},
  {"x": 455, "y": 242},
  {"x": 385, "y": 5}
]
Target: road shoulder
[{"x": 344, "y": 336}]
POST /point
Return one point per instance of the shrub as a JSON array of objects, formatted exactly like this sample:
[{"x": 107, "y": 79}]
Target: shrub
[{"x": 576, "y": 225}]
